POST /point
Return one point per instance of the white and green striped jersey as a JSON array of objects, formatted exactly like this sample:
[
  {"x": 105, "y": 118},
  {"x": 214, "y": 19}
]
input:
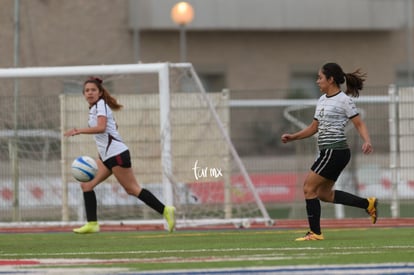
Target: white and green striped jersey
[{"x": 333, "y": 113}]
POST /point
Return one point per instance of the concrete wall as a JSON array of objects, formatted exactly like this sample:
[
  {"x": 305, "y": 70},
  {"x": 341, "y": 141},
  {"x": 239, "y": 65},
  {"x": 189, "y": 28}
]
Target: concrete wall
[
  {"x": 284, "y": 15},
  {"x": 77, "y": 32}
]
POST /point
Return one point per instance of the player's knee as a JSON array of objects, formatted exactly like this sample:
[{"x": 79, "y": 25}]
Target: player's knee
[
  {"x": 322, "y": 198},
  {"x": 309, "y": 194},
  {"x": 133, "y": 191},
  {"x": 326, "y": 196},
  {"x": 309, "y": 190},
  {"x": 86, "y": 186}
]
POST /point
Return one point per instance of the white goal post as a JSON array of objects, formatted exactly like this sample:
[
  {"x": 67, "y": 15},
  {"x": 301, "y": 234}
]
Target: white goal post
[{"x": 162, "y": 71}]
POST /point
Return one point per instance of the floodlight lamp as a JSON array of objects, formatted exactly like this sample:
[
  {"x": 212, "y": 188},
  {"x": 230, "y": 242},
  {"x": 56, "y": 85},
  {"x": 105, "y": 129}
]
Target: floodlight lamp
[{"x": 182, "y": 13}]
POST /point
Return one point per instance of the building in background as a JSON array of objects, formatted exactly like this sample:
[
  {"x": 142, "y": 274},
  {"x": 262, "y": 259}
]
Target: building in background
[{"x": 235, "y": 44}]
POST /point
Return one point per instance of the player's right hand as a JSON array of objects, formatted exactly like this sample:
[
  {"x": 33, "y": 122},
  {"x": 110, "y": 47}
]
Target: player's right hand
[{"x": 286, "y": 138}]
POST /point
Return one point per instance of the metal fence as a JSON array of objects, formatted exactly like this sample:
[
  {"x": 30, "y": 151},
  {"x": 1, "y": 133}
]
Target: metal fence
[{"x": 257, "y": 120}]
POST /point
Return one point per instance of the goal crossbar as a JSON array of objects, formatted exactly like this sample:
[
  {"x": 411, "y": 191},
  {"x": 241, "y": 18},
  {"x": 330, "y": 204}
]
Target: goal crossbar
[{"x": 84, "y": 70}]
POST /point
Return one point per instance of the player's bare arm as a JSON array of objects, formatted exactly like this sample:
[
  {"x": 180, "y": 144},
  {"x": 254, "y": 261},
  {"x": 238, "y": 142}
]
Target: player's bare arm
[
  {"x": 305, "y": 133},
  {"x": 363, "y": 132},
  {"x": 100, "y": 128}
]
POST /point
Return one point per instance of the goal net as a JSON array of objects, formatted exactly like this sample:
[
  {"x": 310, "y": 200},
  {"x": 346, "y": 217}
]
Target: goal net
[{"x": 178, "y": 135}]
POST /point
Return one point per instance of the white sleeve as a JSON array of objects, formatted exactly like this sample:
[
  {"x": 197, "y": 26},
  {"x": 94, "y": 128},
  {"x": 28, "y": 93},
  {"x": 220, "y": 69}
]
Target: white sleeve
[
  {"x": 101, "y": 108},
  {"x": 350, "y": 108}
]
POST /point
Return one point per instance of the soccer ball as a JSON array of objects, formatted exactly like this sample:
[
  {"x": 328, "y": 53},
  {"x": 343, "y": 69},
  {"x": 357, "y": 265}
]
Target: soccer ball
[{"x": 84, "y": 168}]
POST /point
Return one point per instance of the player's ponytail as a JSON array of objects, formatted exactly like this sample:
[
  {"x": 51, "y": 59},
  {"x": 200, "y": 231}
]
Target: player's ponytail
[
  {"x": 354, "y": 80},
  {"x": 106, "y": 96},
  {"x": 110, "y": 100}
]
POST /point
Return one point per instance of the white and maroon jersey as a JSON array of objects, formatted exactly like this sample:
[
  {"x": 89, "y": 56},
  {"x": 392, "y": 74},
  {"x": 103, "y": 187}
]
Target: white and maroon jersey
[
  {"x": 110, "y": 142},
  {"x": 333, "y": 113}
]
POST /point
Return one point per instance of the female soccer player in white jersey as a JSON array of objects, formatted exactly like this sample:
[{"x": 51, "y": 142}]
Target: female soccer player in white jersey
[
  {"x": 334, "y": 109},
  {"x": 114, "y": 157}
]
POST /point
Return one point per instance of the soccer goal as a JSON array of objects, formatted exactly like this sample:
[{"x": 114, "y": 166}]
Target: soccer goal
[{"x": 178, "y": 135}]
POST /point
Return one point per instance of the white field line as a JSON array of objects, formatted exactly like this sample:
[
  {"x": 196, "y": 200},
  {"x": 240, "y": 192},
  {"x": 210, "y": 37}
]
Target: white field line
[
  {"x": 183, "y": 251},
  {"x": 212, "y": 259},
  {"x": 155, "y": 251}
]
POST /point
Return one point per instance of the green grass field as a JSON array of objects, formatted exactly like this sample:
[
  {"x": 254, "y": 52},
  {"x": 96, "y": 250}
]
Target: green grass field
[{"x": 139, "y": 251}]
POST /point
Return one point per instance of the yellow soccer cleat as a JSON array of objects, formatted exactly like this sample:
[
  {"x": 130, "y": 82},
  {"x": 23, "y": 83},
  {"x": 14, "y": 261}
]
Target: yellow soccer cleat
[
  {"x": 90, "y": 227},
  {"x": 372, "y": 209},
  {"x": 169, "y": 217},
  {"x": 310, "y": 236}
]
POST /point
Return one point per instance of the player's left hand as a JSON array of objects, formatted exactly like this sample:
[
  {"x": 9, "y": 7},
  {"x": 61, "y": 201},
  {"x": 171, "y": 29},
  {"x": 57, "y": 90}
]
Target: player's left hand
[{"x": 367, "y": 148}]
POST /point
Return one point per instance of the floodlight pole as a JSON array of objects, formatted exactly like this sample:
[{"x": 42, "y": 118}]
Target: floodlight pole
[
  {"x": 183, "y": 44},
  {"x": 182, "y": 14}
]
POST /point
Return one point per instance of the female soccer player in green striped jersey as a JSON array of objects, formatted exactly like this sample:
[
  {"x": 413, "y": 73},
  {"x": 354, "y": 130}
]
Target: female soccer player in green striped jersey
[{"x": 334, "y": 109}]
